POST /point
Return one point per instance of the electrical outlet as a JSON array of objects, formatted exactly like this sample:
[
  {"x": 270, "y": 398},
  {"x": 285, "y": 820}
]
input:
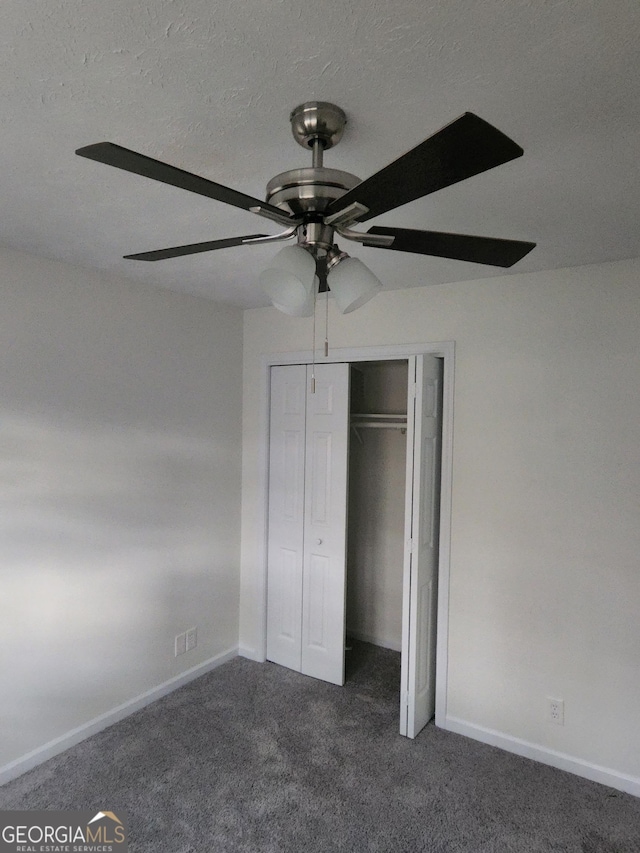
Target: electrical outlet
[
  {"x": 180, "y": 644},
  {"x": 555, "y": 711},
  {"x": 192, "y": 639}
]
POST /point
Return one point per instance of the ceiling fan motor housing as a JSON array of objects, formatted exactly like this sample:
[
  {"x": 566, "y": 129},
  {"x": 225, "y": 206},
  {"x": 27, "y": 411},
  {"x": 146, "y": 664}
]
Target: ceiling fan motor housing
[{"x": 308, "y": 190}]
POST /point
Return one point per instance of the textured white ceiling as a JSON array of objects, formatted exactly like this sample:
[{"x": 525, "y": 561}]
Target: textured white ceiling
[{"x": 207, "y": 85}]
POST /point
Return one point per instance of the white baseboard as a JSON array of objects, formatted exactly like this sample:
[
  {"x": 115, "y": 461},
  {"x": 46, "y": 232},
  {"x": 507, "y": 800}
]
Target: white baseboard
[
  {"x": 382, "y": 642},
  {"x": 594, "y": 772},
  {"x": 251, "y": 654},
  {"x": 60, "y": 744}
]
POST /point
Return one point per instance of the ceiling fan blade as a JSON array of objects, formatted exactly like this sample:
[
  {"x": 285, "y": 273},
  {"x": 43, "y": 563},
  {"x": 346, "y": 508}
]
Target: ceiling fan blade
[
  {"x": 466, "y": 147},
  {"x": 460, "y": 247},
  {"x": 191, "y": 249},
  {"x": 123, "y": 158}
]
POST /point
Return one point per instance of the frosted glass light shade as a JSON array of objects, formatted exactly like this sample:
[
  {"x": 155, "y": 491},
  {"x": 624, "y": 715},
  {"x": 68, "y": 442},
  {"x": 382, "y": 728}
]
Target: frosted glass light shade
[
  {"x": 352, "y": 284},
  {"x": 290, "y": 280},
  {"x": 303, "y": 310}
]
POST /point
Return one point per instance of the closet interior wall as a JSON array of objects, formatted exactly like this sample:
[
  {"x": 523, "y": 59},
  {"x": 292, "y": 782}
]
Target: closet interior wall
[{"x": 376, "y": 515}]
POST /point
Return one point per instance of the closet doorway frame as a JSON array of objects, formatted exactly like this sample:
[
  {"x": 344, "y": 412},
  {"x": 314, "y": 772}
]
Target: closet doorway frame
[{"x": 391, "y": 352}]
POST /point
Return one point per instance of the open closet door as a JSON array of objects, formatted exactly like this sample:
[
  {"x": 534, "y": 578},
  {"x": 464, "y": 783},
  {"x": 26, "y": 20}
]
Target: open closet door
[
  {"x": 325, "y": 528},
  {"x": 421, "y": 560}
]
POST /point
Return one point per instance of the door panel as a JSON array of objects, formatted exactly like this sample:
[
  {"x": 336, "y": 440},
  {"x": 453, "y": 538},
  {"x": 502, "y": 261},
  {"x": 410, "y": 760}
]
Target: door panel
[
  {"x": 292, "y": 462},
  {"x": 421, "y": 564},
  {"x": 318, "y": 579},
  {"x": 286, "y": 514},
  {"x": 320, "y": 477},
  {"x": 325, "y": 528}
]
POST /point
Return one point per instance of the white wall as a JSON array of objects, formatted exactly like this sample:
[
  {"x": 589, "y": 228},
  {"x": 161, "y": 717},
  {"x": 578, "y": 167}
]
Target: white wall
[
  {"x": 120, "y": 412},
  {"x": 545, "y": 562}
]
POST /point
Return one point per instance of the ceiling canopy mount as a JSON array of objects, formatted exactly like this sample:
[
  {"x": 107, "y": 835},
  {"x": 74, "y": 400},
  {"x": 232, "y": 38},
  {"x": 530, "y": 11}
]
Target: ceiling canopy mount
[{"x": 317, "y": 121}]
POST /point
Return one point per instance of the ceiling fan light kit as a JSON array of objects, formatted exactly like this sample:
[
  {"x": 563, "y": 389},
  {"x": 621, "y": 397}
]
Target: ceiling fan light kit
[
  {"x": 353, "y": 284},
  {"x": 289, "y": 281},
  {"x": 315, "y": 203}
]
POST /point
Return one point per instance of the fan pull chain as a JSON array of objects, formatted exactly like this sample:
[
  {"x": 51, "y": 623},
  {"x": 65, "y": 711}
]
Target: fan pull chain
[
  {"x": 326, "y": 323},
  {"x": 313, "y": 344}
]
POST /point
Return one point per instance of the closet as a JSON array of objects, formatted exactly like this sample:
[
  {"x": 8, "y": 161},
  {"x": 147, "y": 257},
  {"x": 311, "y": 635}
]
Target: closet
[
  {"x": 376, "y": 509},
  {"x": 353, "y": 519}
]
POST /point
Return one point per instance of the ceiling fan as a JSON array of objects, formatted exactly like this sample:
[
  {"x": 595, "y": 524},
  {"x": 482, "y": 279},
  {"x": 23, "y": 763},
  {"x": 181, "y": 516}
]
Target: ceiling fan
[{"x": 315, "y": 203}]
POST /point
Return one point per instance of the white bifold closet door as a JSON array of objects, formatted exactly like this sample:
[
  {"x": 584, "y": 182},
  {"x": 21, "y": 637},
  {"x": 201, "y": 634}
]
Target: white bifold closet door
[
  {"x": 286, "y": 514},
  {"x": 306, "y": 569},
  {"x": 421, "y": 556}
]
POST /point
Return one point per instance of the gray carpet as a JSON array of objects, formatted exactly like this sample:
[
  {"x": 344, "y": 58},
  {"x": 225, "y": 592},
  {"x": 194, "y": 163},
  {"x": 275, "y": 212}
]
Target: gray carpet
[{"x": 253, "y": 758}]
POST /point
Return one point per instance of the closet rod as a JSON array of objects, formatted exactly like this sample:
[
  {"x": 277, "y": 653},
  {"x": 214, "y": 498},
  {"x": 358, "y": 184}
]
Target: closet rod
[
  {"x": 375, "y": 416},
  {"x": 378, "y": 425}
]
